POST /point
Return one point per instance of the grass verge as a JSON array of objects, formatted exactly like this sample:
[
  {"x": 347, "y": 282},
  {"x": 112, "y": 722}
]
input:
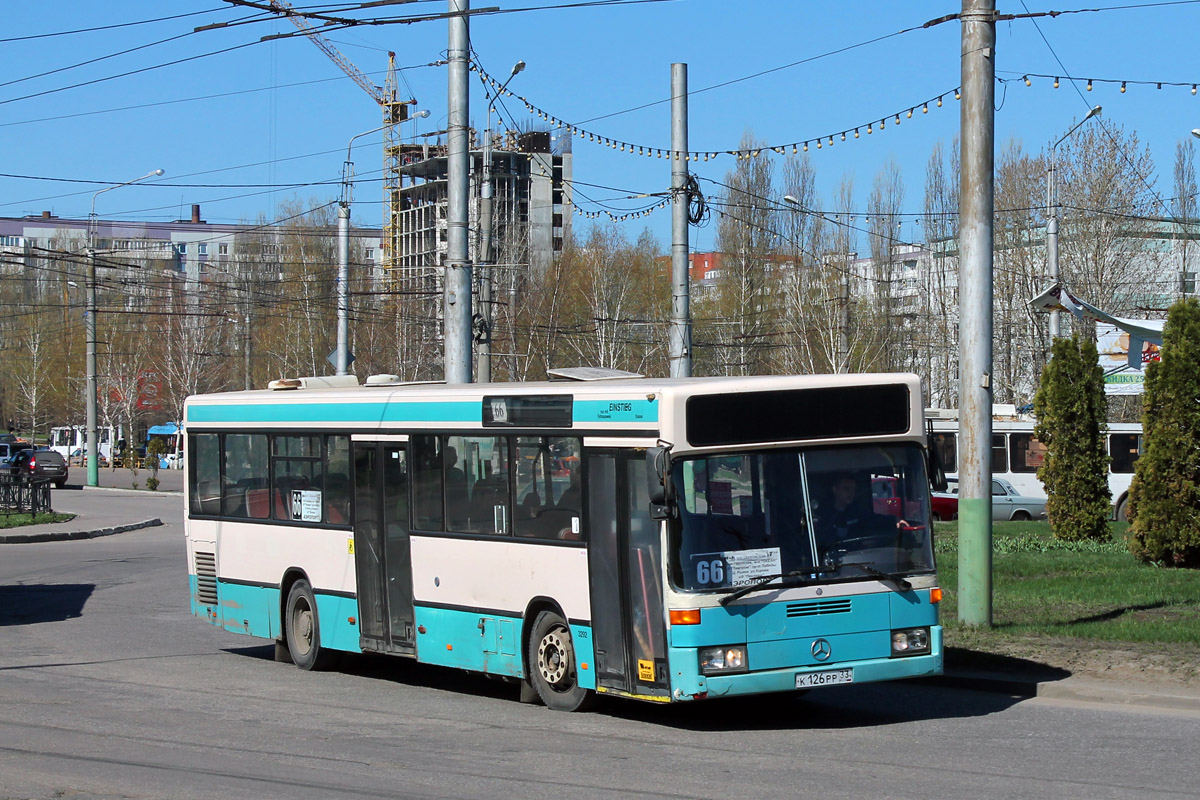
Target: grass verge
[
  {"x": 19, "y": 520},
  {"x": 1059, "y": 600}
]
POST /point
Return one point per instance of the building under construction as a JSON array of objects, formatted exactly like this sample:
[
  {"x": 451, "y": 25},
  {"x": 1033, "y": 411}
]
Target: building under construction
[{"x": 531, "y": 178}]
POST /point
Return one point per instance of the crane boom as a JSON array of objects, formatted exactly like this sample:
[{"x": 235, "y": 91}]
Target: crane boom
[{"x": 356, "y": 75}]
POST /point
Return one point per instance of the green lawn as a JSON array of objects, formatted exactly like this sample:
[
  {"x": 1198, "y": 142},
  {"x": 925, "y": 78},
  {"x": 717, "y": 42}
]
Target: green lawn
[
  {"x": 1087, "y": 591},
  {"x": 17, "y": 520}
]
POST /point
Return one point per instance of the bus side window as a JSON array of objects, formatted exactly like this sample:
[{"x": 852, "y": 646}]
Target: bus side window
[
  {"x": 1027, "y": 453},
  {"x": 999, "y": 456},
  {"x": 947, "y": 447},
  {"x": 205, "y": 464},
  {"x": 427, "y": 483},
  {"x": 1123, "y": 448}
]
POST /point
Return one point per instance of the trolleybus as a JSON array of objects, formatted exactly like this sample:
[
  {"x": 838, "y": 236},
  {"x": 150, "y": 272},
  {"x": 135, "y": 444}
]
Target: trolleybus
[{"x": 664, "y": 540}]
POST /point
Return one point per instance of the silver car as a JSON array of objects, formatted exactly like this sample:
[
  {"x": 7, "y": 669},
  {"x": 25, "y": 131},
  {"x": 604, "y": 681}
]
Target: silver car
[{"x": 1007, "y": 504}]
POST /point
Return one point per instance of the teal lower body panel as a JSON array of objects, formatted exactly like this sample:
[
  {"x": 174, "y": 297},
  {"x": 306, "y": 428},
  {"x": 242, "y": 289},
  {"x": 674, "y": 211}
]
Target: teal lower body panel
[
  {"x": 489, "y": 643},
  {"x": 255, "y": 611},
  {"x": 688, "y": 684}
]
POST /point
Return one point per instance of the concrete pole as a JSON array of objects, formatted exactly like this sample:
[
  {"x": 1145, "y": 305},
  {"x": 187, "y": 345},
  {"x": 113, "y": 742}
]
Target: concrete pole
[
  {"x": 93, "y": 440},
  {"x": 485, "y": 258},
  {"x": 976, "y": 193},
  {"x": 1052, "y": 264},
  {"x": 343, "y": 293},
  {"x": 457, "y": 291},
  {"x": 680, "y": 336}
]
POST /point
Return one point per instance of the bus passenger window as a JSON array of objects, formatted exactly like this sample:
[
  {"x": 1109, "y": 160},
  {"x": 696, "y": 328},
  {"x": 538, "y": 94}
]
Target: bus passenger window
[
  {"x": 205, "y": 465},
  {"x": 337, "y": 480},
  {"x": 947, "y": 447},
  {"x": 1027, "y": 453},
  {"x": 427, "y": 483},
  {"x": 477, "y": 484},
  {"x": 548, "y": 489},
  {"x": 999, "y": 456},
  {"x": 245, "y": 471},
  {"x": 1124, "y": 449}
]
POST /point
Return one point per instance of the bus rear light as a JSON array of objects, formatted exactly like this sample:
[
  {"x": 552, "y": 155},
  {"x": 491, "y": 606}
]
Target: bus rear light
[
  {"x": 685, "y": 616},
  {"x": 935, "y": 595}
]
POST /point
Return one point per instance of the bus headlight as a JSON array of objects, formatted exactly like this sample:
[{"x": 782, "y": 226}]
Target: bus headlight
[
  {"x": 726, "y": 658},
  {"x": 910, "y": 642}
]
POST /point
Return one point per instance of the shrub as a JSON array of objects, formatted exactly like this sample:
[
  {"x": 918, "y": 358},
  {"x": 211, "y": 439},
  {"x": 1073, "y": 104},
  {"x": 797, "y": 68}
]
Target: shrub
[
  {"x": 1070, "y": 409},
  {"x": 1164, "y": 497}
]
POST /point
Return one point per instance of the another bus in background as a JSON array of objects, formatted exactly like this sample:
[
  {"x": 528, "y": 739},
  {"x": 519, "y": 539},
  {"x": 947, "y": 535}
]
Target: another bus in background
[{"x": 1017, "y": 454}]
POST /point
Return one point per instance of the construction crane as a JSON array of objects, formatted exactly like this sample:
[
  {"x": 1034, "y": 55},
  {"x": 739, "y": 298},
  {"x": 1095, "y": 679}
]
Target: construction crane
[{"x": 395, "y": 111}]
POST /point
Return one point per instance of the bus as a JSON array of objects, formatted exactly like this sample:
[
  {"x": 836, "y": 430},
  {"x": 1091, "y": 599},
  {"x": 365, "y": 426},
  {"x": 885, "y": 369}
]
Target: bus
[
  {"x": 1017, "y": 454},
  {"x": 68, "y": 441},
  {"x": 667, "y": 540}
]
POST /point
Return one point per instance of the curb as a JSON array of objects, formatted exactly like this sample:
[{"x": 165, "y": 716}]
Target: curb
[
  {"x": 164, "y": 493},
  {"x": 27, "y": 538},
  {"x": 1077, "y": 689}
]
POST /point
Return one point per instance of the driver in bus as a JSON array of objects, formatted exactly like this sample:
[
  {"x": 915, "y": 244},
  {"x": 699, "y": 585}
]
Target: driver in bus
[{"x": 843, "y": 516}]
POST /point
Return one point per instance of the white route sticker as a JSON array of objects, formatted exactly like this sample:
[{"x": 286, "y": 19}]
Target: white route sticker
[{"x": 734, "y": 567}]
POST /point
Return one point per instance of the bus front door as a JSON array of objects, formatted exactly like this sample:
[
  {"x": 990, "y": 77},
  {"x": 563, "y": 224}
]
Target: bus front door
[
  {"x": 625, "y": 564},
  {"x": 381, "y": 548}
]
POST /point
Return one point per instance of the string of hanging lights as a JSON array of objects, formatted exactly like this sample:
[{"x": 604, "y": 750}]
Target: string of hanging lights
[
  {"x": 1088, "y": 83},
  {"x": 818, "y": 142}
]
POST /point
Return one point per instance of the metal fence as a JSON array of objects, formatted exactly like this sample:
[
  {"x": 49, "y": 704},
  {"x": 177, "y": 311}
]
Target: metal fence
[{"x": 18, "y": 496}]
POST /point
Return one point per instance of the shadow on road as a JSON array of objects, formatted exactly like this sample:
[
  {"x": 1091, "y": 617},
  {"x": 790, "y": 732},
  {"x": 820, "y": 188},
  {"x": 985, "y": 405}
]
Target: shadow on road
[
  {"x": 864, "y": 705},
  {"x": 34, "y": 603}
]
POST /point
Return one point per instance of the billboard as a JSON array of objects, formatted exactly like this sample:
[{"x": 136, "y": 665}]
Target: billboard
[{"x": 1123, "y": 375}]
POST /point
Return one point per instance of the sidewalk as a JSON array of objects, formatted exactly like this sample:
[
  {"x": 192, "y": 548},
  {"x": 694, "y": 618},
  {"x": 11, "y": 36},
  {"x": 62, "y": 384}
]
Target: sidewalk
[{"x": 99, "y": 511}]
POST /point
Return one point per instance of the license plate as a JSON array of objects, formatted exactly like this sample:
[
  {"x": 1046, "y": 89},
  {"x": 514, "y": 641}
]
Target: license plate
[{"x": 827, "y": 678}]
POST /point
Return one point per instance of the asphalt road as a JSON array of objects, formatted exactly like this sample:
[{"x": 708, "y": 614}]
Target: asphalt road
[{"x": 109, "y": 689}]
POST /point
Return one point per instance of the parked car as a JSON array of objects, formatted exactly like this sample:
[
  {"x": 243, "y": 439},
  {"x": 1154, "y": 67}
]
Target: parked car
[
  {"x": 943, "y": 506},
  {"x": 1008, "y": 504},
  {"x": 38, "y": 465},
  {"x": 8, "y": 451}
]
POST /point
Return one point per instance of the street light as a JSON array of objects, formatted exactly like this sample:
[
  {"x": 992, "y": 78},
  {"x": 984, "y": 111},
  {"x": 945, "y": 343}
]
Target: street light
[
  {"x": 1052, "y": 213},
  {"x": 341, "y": 354},
  {"x": 843, "y": 361},
  {"x": 484, "y": 335},
  {"x": 92, "y": 444},
  {"x": 1196, "y": 132}
]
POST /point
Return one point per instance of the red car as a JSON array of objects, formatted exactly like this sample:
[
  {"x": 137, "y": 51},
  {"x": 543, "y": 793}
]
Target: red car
[{"x": 943, "y": 505}]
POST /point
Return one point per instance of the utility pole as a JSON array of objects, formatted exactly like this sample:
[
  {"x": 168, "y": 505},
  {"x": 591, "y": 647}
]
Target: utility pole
[
  {"x": 680, "y": 336},
  {"x": 457, "y": 290},
  {"x": 977, "y": 202},
  {"x": 343, "y": 296}
]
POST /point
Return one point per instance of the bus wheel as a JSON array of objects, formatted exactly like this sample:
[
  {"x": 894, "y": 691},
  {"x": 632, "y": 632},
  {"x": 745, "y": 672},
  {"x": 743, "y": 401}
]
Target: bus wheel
[
  {"x": 303, "y": 630},
  {"x": 552, "y": 664},
  {"x": 1123, "y": 511}
]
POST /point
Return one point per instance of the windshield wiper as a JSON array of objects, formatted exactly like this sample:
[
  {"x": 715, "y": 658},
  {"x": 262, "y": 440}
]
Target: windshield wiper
[
  {"x": 901, "y": 583},
  {"x": 759, "y": 581}
]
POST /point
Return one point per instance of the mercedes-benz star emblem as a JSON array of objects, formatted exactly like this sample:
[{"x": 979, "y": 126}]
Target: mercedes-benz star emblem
[{"x": 821, "y": 649}]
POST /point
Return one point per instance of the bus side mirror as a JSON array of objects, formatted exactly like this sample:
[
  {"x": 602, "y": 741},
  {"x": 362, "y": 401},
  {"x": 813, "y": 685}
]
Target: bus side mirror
[{"x": 658, "y": 482}]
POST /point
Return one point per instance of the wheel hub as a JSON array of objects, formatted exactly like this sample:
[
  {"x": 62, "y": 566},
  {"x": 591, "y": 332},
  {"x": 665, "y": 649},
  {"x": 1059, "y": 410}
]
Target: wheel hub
[{"x": 552, "y": 658}]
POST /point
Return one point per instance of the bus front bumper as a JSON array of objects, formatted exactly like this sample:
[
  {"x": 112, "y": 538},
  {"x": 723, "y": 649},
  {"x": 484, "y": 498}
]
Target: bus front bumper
[{"x": 691, "y": 685}]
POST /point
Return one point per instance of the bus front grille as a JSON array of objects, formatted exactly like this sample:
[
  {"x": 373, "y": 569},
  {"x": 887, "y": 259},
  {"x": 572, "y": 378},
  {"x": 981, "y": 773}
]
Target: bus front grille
[
  {"x": 206, "y": 578},
  {"x": 814, "y": 607}
]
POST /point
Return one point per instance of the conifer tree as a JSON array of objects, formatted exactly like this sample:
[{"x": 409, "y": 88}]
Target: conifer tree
[
  {"x": 1070, "y": 410},
  {"x": 1164, "y": 498}
]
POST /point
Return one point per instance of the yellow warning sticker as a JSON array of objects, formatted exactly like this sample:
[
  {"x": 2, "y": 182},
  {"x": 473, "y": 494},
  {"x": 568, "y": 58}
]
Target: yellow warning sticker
[
  {"x": 350, "y": 546},
  {"x": 645, "y": 670}
]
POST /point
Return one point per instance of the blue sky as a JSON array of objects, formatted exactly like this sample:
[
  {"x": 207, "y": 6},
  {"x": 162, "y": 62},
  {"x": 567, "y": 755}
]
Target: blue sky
[{"x": 583, "y": 64}]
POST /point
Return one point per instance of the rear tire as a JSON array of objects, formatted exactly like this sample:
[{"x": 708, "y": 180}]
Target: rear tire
[
  {"x": 304, "y": 630},
  {"x": 1123, "y": 510},
  {"x": 553, "y": 666}
]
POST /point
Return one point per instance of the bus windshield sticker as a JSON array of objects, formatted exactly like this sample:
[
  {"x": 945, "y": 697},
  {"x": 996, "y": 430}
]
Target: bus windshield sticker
[
  {"x": 306, "y": 505},
  {"x": 720, "y": 497},
  {"x": 499, "y": 410},
  {"x": 733, "y": 568}
]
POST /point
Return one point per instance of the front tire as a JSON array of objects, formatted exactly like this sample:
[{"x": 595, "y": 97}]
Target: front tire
[
  {"x": 1021, "y": 516},
  {"x": 304, "y": 629},
  {"x": 553, "y": 669}
]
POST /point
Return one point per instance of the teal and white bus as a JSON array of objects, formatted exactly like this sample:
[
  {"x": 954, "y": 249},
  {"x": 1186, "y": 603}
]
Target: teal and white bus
[{"x": 664, "y": 540}]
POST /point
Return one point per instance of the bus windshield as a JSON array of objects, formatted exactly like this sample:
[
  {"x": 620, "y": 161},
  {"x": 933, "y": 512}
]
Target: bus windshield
[{"x": 777, "y": 512}]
